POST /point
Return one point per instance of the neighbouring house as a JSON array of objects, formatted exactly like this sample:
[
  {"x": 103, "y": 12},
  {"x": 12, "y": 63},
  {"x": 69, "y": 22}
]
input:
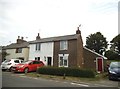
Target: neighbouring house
[
  {"x": 0, "y": 54},
  {"x": 65, "y": 51},
  {"x": 20, "y": 49}
]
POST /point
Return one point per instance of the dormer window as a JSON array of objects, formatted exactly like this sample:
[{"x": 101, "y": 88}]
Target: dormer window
[{"x": 63, "y": 45}]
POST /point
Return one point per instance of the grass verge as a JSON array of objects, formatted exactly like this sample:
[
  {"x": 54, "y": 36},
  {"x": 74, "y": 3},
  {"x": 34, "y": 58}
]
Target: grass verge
[{"x": 102, "y": 76}]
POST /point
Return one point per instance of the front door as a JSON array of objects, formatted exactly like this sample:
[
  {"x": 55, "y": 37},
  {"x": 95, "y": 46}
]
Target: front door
[
  {"x": 49, "y": 60},
  {"x": 99, "y": 64}
]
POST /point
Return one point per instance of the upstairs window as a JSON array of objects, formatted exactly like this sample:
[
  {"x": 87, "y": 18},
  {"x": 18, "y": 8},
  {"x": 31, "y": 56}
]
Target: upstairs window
[
  {"x": 19, "y": 50},
  {"x": 38, "y": 47},
  {"x": 63, "y": 45}
]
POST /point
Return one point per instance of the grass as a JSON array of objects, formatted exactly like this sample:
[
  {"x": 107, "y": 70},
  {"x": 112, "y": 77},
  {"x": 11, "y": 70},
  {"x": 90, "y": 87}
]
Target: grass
[{"x": 102, "y": 76}]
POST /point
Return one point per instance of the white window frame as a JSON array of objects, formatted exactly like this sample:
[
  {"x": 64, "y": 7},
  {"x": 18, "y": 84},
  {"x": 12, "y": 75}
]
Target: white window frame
[
  {"x": 65, "y": 57},
  {"x": 37, "y": 46},
  {"x": 36, "y": 58},
  {"x": 63, "y": 45}
]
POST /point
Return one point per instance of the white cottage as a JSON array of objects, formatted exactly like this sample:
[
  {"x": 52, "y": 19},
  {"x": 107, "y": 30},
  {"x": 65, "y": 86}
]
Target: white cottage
[{"x": 41, "y": 49}]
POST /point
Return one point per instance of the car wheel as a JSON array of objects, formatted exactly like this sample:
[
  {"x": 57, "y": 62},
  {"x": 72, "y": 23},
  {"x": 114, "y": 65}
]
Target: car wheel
[
  {"x": 109, "y": 77},
  {"x": 26, "y": 70},
  {"x": 10, "y": 69}
]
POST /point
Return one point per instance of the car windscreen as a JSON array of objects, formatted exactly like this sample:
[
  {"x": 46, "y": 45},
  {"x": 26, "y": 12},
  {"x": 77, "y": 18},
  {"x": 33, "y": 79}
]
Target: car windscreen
[
  {"x": 26, "y": 62},
  {"x": 115, "y": 65},
  {"x": 7, "y": 61}
]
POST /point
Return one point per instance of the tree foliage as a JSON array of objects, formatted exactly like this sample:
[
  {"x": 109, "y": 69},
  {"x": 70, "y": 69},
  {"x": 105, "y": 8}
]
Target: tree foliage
[
  {"x": 116, "y": 44},
  {"x": 111, "y": 55},
  {"x": 96, "y": 42},
  {"x": 4, "y": 54}
]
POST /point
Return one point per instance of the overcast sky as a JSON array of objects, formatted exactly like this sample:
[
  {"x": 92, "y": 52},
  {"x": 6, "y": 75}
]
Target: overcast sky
[{"x": 56, "y": 18}]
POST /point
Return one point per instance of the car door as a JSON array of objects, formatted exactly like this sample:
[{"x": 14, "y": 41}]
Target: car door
[
  {"x": 40, "y": 64},
  {"x": 37, "y": 64},
  {"x": 33, "y": 66}
]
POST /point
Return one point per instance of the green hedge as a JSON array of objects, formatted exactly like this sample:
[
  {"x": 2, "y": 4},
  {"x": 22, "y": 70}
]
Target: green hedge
[{"x": 76, "y": 72}]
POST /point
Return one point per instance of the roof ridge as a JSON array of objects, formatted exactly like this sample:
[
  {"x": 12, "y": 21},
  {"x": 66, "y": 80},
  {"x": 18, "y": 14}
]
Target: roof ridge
[
  {"x": 95, "y": 52},
  {"x": 55, "y": 38}
]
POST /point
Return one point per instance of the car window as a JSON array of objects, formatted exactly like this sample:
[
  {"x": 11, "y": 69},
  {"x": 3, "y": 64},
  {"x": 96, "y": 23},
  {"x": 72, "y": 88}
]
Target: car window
[
  {"x": 16, "y": 61},
  {"x": 26, "y": 62},
  {"x": 7, "y": 61},
  {"x": 41, "y": 62},
  {"x": 21, "y": 61},
  {"x": 36, "y": 62},
  {"x": 115, "y": 65}
]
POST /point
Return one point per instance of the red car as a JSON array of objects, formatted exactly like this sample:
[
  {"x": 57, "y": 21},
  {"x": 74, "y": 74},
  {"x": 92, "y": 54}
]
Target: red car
[{"x": 27, "y": 66}]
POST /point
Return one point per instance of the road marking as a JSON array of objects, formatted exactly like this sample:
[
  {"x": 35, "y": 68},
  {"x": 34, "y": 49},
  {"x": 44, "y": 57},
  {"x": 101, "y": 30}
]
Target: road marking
[
  {"x": 35, "y": 78},
  {"x": 22, "y": 76},
  {"x": 101, "y": 85},
  {"x": 65, "y": 82},
  {"x": 80, "y": 84}
]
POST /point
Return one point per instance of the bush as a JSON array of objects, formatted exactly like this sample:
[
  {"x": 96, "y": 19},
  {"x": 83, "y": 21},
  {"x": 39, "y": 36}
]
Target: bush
[{"x": 75, "y": 72}]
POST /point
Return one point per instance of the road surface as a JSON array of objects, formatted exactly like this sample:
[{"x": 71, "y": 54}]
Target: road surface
[{"x": 20, "y": 80}]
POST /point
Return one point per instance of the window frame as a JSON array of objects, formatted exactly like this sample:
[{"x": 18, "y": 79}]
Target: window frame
[
  {"x": 64, "y": 45},
  {"x": 37, "y": 46},
  {"x": 65, "y": 58},
  {"x": 18, "y": 50},
  {"x": 37, "y": 58}
]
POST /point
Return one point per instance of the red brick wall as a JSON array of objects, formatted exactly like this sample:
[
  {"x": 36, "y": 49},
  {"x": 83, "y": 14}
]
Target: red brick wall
[
  {"x": 80, "y": 52},
  {"x": 72, "y": 51},
  {"x": 89, "y": 59}
]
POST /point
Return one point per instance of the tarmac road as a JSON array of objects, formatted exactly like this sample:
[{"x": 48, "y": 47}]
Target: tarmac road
[{"x": 20, "y": 80}]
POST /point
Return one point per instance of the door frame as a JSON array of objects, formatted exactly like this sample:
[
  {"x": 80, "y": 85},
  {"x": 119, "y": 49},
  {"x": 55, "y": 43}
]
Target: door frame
[
  {"x": 97, "y": 64},
  {"x": 48, "y": 59}
]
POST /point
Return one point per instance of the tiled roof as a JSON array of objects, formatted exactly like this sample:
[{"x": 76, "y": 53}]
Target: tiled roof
[
  {"x": 95, "y": 53},
  {"x": 58, "y": 38},
  {"x": 16, "y": 45}
]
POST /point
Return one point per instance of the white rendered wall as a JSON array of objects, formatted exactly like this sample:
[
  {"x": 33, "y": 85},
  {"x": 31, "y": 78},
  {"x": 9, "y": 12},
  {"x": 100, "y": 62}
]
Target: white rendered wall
[
  {"x": 12, "y": 53},
  {"x": 46, "y": 50}
]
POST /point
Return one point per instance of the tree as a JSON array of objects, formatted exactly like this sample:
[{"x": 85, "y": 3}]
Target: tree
[
  {"x": 111, "y": 55},
  {"x": 4, "y": 54},
  {"x": 115, "y": 44},
  {"x": 96, "y": 42}
]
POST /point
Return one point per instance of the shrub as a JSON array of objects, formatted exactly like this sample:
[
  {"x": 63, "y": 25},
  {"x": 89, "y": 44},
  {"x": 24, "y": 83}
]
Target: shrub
[{"x": 75, "y": 72}]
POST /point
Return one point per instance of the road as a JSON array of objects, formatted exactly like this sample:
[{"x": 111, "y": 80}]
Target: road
[{"x": 20, "y": 80}]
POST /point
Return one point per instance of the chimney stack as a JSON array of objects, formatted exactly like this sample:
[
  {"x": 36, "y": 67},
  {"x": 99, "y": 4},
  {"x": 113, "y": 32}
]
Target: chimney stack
[
  {"x": 19, "y": 41},
  {"x": 78, "y": 31},
  {"x": 38, "y": 37}
]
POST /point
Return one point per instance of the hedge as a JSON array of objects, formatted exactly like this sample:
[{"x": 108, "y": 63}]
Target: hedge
[{"x": 60, "y": 71}]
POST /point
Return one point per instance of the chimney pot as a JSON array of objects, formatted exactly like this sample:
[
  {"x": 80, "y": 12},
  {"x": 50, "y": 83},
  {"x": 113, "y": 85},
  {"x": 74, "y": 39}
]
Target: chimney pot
[
  {"x": 18, "y": 37},
  {"x": 78, "y": 31},
  {"x": 22, "y": 38}
]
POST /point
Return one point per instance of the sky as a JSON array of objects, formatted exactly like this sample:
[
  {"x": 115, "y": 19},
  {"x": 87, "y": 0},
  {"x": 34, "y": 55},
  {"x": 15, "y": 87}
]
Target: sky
[{"x": 27, "y": 18}]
